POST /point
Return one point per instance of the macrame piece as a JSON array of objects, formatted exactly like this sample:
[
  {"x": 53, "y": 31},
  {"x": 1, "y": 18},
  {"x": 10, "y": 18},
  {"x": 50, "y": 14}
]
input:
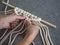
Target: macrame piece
[{"x": 43, "y": 32}]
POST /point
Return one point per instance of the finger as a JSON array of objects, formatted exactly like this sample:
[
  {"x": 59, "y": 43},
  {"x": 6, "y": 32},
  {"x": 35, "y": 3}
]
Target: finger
[
  {"x": 27, "y": 22},
  {"x": 34, "y": 22},
  {"x": 7, "y": 26},
  {"x": 19, "y": 17},
  {"x": 12, "y": 18},
  {"x": 13, "y": 24},
  {"x": 16, "y": 20}
]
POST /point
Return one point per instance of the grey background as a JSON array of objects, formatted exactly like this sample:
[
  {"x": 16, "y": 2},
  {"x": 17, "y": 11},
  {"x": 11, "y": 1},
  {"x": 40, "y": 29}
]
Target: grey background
[{"x": 46, "y": 9}]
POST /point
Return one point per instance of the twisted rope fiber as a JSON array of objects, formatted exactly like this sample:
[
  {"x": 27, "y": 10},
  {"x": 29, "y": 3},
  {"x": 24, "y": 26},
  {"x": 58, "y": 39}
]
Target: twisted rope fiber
[{"x": 44, "y": 31}]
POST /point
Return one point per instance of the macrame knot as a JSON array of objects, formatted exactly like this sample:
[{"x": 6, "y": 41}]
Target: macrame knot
[{"x": 28, "y": 15}]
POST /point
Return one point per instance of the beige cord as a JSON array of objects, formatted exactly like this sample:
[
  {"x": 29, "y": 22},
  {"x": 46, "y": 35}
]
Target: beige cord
[
  {"x": 33, "y": 43},
  {"x": 3, "y": 34},
  {"x": 16, "y": 33},
  {"x": 10, "y": 39},
  {"x": 47, "y": 35},
  {"x": 9, "y": 33}
]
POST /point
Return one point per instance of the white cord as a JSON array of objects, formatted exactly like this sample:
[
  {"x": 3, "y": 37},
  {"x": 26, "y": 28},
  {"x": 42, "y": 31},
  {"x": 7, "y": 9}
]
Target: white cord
[
  {"x": 9, "y": 34},
  {"x": 3, "y": 34},
  {"x": 6, "y": 7},
  {"x": 33, "y": 43}
]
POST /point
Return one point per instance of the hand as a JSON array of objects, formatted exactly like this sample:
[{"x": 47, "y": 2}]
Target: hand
[
  {"x": 31, "y": 33},
  {"x": 31, "y": 27},
  {"x": 13, "y": 19}
]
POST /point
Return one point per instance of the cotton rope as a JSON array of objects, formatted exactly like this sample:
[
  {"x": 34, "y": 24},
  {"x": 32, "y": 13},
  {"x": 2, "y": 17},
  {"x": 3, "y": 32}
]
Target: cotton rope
[{"x": 43, "y": 32}]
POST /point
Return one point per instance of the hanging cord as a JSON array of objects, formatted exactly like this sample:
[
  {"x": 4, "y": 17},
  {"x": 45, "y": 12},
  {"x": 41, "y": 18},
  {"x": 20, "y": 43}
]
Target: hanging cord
[
  {"x": 6, "y": 7},
  {"x": 33, "y": 43},
  {"x": 45, "y": 35},
  {"x": 15, "y": 32},
  {"x": 3, "y": 34},
  {"x": 9, "y": 33}
]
